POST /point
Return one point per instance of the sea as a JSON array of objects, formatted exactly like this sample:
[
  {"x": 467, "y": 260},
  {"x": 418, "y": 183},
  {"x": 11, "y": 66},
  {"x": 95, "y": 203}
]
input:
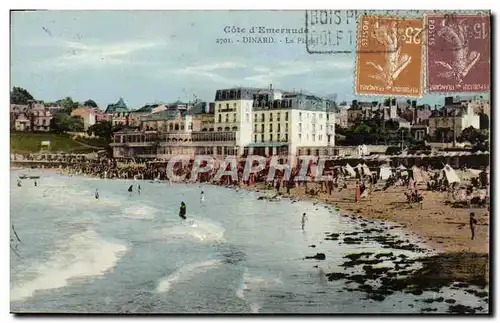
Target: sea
[{"x": 131, "y": 253}]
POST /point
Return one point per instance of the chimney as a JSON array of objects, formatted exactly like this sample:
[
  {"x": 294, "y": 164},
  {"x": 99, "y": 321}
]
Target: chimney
[{"x": 270, "y": 86}]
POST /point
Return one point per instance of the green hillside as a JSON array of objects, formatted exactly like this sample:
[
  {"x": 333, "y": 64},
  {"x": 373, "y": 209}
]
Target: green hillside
[{"x": 27, "y": 142}]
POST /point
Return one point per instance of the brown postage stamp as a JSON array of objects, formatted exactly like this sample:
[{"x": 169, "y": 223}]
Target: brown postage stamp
[
  {"x": 389, "y": 56},
  {"x": 458, "y": 53}
]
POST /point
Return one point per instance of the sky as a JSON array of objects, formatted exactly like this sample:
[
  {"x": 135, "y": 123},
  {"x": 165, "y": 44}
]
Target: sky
[{"x": 163, "y": 56}]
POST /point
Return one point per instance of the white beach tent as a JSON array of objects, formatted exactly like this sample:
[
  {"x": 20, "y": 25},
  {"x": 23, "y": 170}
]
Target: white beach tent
[
  {"x": 366, "y": 170},
  {"x": 385, "y": 172},
  {"x": 449, "y": 173},
  {"x": 359, "y": 169},
  {"x": 349, "y": 170}
]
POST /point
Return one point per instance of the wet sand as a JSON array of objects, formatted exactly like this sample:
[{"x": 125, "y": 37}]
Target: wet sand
[{"x": 442, "y": 226}]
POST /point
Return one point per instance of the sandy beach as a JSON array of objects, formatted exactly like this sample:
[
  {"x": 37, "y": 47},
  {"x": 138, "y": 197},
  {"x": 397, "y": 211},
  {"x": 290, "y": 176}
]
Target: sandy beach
[{"x": 443, "y": 227}]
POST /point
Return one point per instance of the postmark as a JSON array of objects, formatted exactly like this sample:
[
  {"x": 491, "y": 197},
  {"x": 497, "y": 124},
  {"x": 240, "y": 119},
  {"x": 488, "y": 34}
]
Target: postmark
[
  {"x": 458, "y": 53},
  {"x": 389, "y": 56}
]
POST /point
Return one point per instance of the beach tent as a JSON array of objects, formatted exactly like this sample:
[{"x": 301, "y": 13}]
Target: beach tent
[
  {"x": 366, "y": 170},
  {"x": 449, "y": 173},
  {"x": 474, "y": 172},
  {"x": 385, "y": 172},
  {"x": 349, "y": 170}
]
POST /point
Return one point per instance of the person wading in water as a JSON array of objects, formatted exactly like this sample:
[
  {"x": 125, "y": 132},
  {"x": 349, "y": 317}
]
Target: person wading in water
[
  {"x": 473, "y": 223},
  {"x": 182, "y": 211},
  {"x": 130, "y": 190},
  {"x": 304, "y": 219}
]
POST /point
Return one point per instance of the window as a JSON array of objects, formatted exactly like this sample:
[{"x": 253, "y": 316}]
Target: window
[
  {"x": 234, "y": 105},
  {"x": 279, "y": 127},
  {"x": 300, "y": 127},
  {"x": 262, "y": 128},
  {"x": 271, "y": 137},
  {"x": 171, "y": 126},
  {"x": 300, "y": 116},
  {"x": 286, "y": 137},
  {"x": 255, "y": 138},
  {"x": 314, "y": 128},
  {"x": 286, "y": 116},
  {"x": 262, "y": 138},
  {"x": 270, "y": 127},
  {"x": 320, "y": 137},
  {"x": 220, "y": 106},
  {"x": 300, "y": 137},
  {"x": 255, "y": 117},
  {"x": 220, "y": 117},
  {"x": 227, "y": 118},
  {"x": 327, "y": 116},
  {"x": 190, "y": 127},
  {"x": 321, "y": 115},
  {"x": 255, "y": 128},
  {"x": 227, "y": 105},
  {"x": 263, "y": 118},
  {"x": 286, "y": 127},
  {"x": 234, "y": 116},
  {"x": 271, "y": 117},
  {"x": 320, "y": 127},
  {"x": 278, "y": 117}
]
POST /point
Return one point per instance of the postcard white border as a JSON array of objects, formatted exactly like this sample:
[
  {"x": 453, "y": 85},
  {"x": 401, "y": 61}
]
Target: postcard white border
[{"x": 191, "y": 4}]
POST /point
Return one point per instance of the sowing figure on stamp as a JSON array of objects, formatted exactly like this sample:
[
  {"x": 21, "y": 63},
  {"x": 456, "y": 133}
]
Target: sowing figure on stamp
[
  {"x": 456, "y": 34},
  {"x": 395, "y": 61}
]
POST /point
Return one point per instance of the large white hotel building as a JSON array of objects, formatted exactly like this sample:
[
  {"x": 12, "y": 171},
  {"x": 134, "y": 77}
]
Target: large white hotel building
[{"x": 243, "y": 121}]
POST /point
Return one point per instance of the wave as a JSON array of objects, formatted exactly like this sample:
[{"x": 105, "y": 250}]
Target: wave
[
  {"x": 85, "y": 255},
  {"x": 185, "y": 273},
  {"x": 194, "y": 229},
  {"x": 250, "y": 282}
]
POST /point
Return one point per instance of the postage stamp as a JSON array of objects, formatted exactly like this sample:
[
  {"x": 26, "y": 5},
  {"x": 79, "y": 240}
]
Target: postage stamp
[
  {"x": 389, "y": 56},
  {"x": 458, "y": 53}
]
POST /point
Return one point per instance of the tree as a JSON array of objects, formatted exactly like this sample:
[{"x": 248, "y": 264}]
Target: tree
[
  {"x": 19, "y": 95},
  {"x": 68, "y": 105},
  {"x": 64, "y": 123},
  {"x": 471, "y": 134},
  {"x": 103, "y": 129},
  {"x": 90, "y": 103}
]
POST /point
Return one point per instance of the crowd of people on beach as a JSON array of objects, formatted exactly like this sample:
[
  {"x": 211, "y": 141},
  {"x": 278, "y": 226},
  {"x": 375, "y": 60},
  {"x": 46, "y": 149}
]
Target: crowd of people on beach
[{"x": 334, "y": 179}]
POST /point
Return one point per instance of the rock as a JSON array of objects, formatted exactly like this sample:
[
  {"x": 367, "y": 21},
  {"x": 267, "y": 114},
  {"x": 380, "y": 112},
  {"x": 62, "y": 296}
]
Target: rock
[
  {"x": 318, "y": 256},
  {"x": 336, "y": 276}
]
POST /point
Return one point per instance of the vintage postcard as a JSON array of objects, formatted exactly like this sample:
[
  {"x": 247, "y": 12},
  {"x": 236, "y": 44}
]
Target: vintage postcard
[
  {"x": 458, "y": 53},
  {"x": 250, "y": 162}
]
